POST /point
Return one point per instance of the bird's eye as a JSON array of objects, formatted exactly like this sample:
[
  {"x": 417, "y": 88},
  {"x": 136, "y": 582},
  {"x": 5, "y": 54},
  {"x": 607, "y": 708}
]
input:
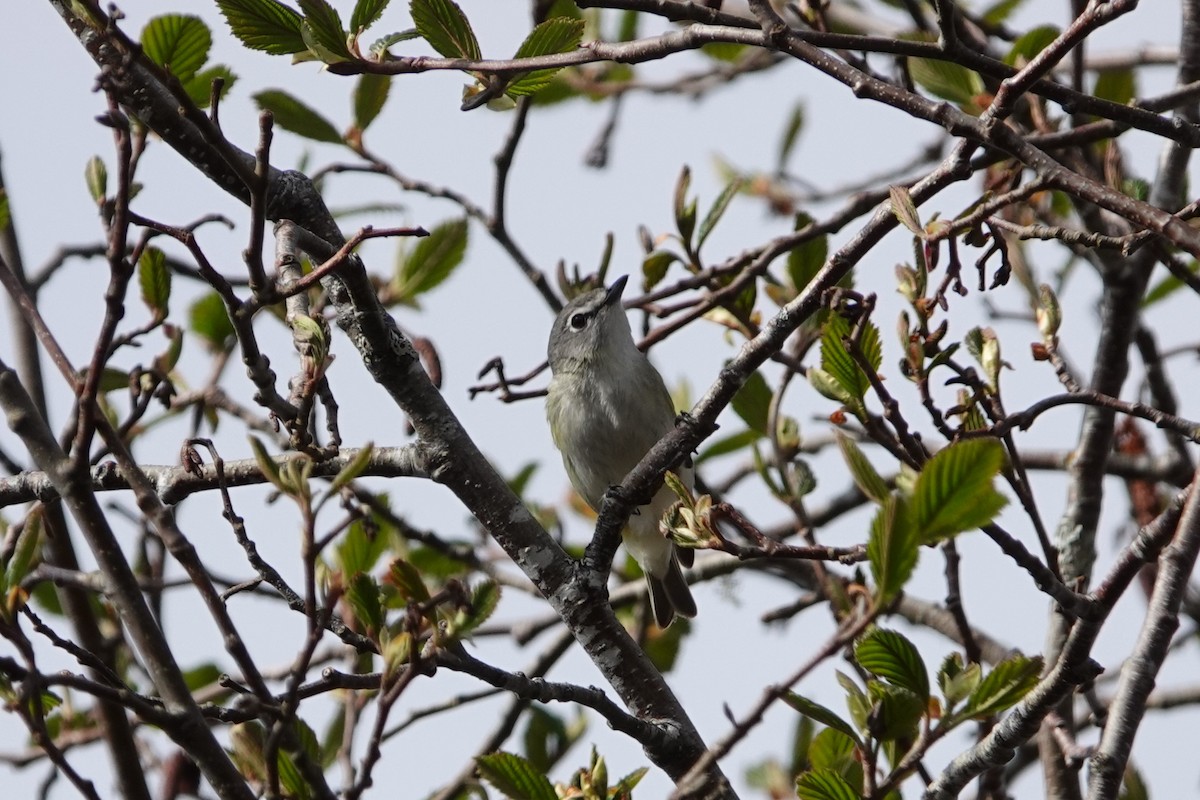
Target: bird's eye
[{"x": 578, "y": 321}]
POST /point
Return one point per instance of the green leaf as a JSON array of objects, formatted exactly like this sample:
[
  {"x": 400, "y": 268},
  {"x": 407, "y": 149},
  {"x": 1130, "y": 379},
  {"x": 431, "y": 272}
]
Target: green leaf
[
  {"x": 199, "y": 87},
  {"x": 956, "y": 681},
  {"x": 717, "y": 211},
  {"x": 954, "y": 492},
  {"x": 291, "y": 780},
  {"x": 856, "y": 700},
  {"x": 868, "y": 480},
  {"x": 1029, "y": 44},
  {"x": 895, "y": 712},
  {"x": 484, "y": 599},
  {"x": 791, "y": 134},
  {"x": 405, "y": 577},
  {"x": 366, "y": 13},
  {"x": 728, "y": 444},
  {"x": 837, "y": 361},
  {"x": 833, "y": 750},
  {"x": 370, "y": 93},
  {"x": 326, "y": 26},
  {"x": 894, "y": 658},
  {"x": 892, "y": 548},
  {"x": 1000, "y": 11},
  {"x": 264, "y": 25},
  {"x": 1167, "y": 286},
  {"x": 752, "y": 403},
  {"x": 154, "y": 279},
  {"x": 555, "y": 35},
  {"x": 806, "y": 259},
  {"x": 209, "y": 320},
  {"x": 829, "y": 387},
  {"x": 380, "y": 46},
  {"x": 25, "y": 553},
  {"x": 353, "y": 469},
  {"x": 819, "y": 713},
  {"x": 948, "y": 81},
  {"x": 515, "y": 777},
  {"x": 96, "y": 176},
  {"x": 546, "y": 738},
  {"x": 362, "y": 592},
  {"x": 726, "y": 52},
  {"x": 5, "y": 213},
  {"x": 654, "y": 267},
  {"x": 204, "y": 675},
  {"x": 1133, "y": 786},
  {"x": 1116, "y": 85},
  {"x": 824, "y": 784},
  {"x": 431, "y": 260},
  {"x": 179, "y": 43},
  {"x": 444, "y": 25},
  {"x": 293, "y": 115},
  {"x": 906, "y": 210},
  {"x": 1004, "y": 686},
  {"x": 685, "y": 212}
]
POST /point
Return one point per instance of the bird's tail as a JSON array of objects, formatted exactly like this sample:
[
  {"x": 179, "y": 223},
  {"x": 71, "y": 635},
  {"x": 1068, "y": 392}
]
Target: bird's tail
[{"x": 670, "y": 595}]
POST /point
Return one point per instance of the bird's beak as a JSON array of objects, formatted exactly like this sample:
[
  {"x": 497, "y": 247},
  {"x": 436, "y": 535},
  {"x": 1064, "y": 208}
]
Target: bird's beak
[{"x": 614, "y": 292}]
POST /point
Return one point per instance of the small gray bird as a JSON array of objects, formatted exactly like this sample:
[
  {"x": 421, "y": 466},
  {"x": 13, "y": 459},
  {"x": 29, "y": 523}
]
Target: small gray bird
[{"x": 607, "y": 407}]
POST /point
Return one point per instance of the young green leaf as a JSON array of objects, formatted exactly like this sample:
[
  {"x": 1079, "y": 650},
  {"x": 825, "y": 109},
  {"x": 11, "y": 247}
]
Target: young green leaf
[
  {"x": 380, "y": 46},
  {"x": 154, "y": 279},
  {"x": 555, "y": 35},
  {"x": 362, "y": 593},
  {"x": 96, "y": 176},
  {"x": 824, "y": 784},
  {"x": 444, "y": 25},
  {"x": 895, "y": 712},
  {"x": 515, "y": 777},
  {"x": 654, "y": 267},
  {"x": 685, "y": 212},
  {"x": 753, "y": 403},
  {"x": 484, "y": 599},
  {"x": 906, "y": 210},
  {"x": 293, "y": 115},
  {"x": 892, "y": 548},
  {"x": 199, "y": 87},
  {"x": 210, "y": 321},
  {"x": 1004, "y": 686},
  {"x": 360, "y": 549},
  {"x": 291, "y": 779},
  {"x": 948, "y": 81},
  {"x": 1029, "y": 44},
  {"x": 791, "y": 134},
  {"x": 353, "y": 469},
  {"x": 431, "y": 260},
  {"x": 264, "y": 25},
  {"x": 868, "y": 480},
  {"x": 179, "y": 43},
  {"x": 326, "y": 26},
  {"x": 833, "y": 750},
  {"x": 25, "y": 553},
  {"x": 366, "y": 13},
  {"x": 894, "y": 658},
  {"x": 956, "y": 681},
  {"x": 819, "y": 713},
  {"x": 370, "y": 93},
  {"x": 728, "y": 444},
  {"x": 1116, "y": 85},
  {"x": 954, "y": 492},
  {"x": 806, "y": 259},
  {"x": 266, "y": 465},
  {"x": 717, "y": 211},
  {"x": 405, "y": 577},
  {"x": 6, "y": 215},
  {"x": 837, "y": 361}
]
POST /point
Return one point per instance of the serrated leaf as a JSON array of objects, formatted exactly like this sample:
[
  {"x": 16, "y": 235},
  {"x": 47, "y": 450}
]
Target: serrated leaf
[
  {"x": 264, "y": 25},
  {"x": 893, "y": 548},
  {"x": 366, "y": 13},
  {"x": 956, "y": 681},
  {"x": 293, "y": 115},
  {"x": 444, "y": 25},
  {"x": 179, "y": 43},
  {"x": 829, "y": 387},
  {"x": 752, "y": 403},
  {"x": 654, "y": 268},
  {"x": 868, "y": 480},
  {"x": 717, "y": 211},
  {"x": 405, "y": 577},
  {"x": 1004, "y": 686},
  {"x": 326, "y": 25},
  {"x": 895, "y": 711},
  {"x": 836, "y": 359},
  {"x": 894, "y": 658},
  {"x": 824, "y": 784},
  {"x": 154, "y": 279},
  {"x": 1029, "y": 44},
  {"x": 515, "y": 777},
  {"x": 431, "y": 260},
  {"x": 831, "y": 749},
  {"x": 906, "y": 210},
  {"x": 370, "y": 93},
  {"x": 209, "y": 320},
  {"x": 955, "y": 492},
  {"x": 361, "y": 548},
  {"x": 553, "y": 36},
  {"x": 819, "y": 713},
  {"x": 96, "y": 176},
  {"x": 948, "y": 81},
  {"x": 199, "y": 87},
  {"x": 362, "y": 593},
  {"x": 381, "y": 45},
  {"x": 484, "y": 599}
]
